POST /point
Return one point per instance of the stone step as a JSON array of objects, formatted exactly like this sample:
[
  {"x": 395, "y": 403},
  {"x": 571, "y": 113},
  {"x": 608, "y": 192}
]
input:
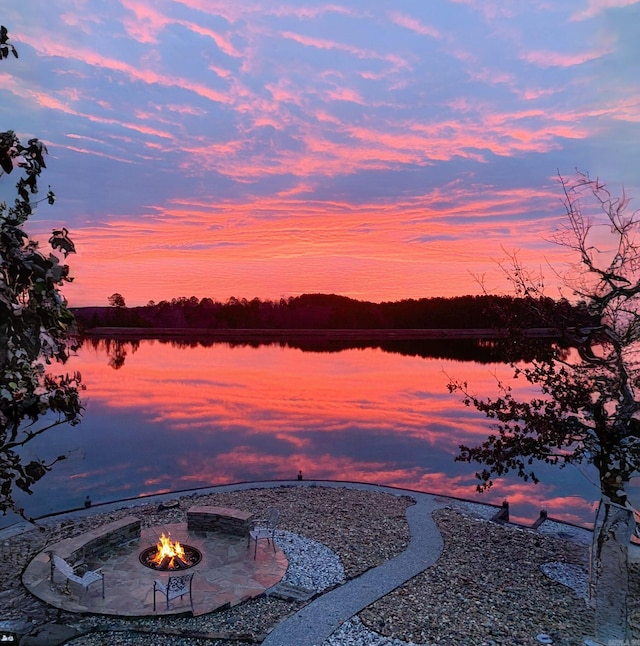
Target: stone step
[{"x": 289, "y": 592}]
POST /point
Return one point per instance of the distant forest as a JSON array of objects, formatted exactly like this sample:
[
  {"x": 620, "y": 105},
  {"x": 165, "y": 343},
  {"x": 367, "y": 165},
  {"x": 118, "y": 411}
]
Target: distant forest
[{"x": 333, "y": 312}]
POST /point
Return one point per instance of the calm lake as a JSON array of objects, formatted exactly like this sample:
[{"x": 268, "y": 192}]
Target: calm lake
[{"x": 163, "y": 416}]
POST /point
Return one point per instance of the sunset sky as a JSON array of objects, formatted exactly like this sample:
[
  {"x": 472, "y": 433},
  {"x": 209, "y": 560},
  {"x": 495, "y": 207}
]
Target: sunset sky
[{"x": 379, "y": 150}]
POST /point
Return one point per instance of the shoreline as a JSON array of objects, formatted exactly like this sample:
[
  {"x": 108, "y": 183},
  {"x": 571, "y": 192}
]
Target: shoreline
[
  {"x": 107, "y": 506},
  {"x": 374, "y": 334}
]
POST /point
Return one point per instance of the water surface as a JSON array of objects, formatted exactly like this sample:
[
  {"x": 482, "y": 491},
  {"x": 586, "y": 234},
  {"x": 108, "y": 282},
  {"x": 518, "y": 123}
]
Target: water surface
[{"x": 161, "y": 416}]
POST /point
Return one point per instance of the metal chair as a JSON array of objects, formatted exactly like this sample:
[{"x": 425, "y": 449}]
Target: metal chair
[
  {"x": 176, "y": 586},
  {"x": 264, "y": 528}
]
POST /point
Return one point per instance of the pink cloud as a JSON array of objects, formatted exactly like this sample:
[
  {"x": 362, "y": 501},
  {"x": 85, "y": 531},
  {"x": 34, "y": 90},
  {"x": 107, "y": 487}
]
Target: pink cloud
[
  {"x": 595, "y": 7},
  {"x": 283, "y": 245},
  {"x": 307, "y": 13},
  {"x": 492, "y": 9},
  {"x": 234, "y": 12},
  {"x": 414, "y": 25},
  {"x": 288, "y": 131},
  {"x": 627, "y": 109},
  {"x": 222, "y": 72},
  {"x": 81, "y": 21},
  {"x": 52, "y": 103},
  {"x": 52, "y": 47},
  {"x": 298, "y": 189},
  {"x": 323, "y": 43},
  {"x": 95, "y": 153},
  {"x": 223, "y": 42},
  {"x": 492, "y": 76},
  {"x": 284, "y": 92},
  {"x": 547, "y": 58},
  {"x": 325, "y": 116},
  {"x": 346, "y": 94},
  {"x": 146, "y": 23},
  {"x": 533, "y": 94}
]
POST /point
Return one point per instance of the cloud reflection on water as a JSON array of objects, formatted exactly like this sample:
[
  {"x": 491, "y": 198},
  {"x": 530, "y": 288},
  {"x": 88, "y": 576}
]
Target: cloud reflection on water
[{"x": 182, "y": 417}]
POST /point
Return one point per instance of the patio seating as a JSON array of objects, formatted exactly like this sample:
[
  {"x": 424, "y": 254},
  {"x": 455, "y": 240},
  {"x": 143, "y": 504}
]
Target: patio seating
[
  {"x": 176, "y": 586},
  {"x": 85, "y": 580},
  {"x": 264, "y": 528}
]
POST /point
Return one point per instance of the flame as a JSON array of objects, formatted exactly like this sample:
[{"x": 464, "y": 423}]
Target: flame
[{"x": 166, "y": 548}]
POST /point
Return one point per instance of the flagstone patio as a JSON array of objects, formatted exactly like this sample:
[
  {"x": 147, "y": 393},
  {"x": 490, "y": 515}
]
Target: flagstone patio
[{"x": 227, "y": 575}]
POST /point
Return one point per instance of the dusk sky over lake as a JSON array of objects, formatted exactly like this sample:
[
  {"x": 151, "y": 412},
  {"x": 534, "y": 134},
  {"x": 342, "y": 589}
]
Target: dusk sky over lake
[{"x": 378, "y": 150}]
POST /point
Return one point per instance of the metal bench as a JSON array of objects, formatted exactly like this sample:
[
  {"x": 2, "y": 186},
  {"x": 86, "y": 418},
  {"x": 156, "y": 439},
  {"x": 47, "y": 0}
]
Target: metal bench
[{"x": 85, "y": 580}]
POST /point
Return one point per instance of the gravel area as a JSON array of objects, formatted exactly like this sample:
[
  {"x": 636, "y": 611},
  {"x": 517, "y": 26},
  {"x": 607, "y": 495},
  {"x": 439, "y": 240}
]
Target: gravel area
[
  {"x": 489, "y": 586},
  {"x": 312, "y": 565}
]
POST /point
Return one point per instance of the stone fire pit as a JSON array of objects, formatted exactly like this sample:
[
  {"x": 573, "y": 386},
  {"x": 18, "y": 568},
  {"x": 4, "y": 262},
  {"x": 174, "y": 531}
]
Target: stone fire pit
[
  {"x": 226, "y": 575},
  {"x": 170, "y": 556}
]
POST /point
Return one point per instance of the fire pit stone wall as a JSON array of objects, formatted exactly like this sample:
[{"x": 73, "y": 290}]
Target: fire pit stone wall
[
  {"x": 104, "y": 538},
  {"x": 206, "y": 518}
]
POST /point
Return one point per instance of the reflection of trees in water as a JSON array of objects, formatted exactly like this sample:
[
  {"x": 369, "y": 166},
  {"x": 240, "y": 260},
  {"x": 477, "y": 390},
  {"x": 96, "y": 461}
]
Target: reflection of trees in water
[
  {"x": 115, "y": 349},
  {"x": 477, "y": 350},
  {"x": 117, "y": 355}
]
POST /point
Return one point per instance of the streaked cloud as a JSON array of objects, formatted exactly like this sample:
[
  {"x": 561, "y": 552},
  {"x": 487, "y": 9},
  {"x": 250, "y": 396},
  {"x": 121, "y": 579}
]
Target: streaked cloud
[
  {"x": 414, "y": 25},
  {"x": 596, "y": 7},
  {"x": 275, "y": 149},
  {"x": 559, "y": 59}
]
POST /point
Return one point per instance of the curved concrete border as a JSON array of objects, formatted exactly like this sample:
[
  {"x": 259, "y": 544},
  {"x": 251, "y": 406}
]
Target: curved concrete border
[{"x": 113, "y": 505}]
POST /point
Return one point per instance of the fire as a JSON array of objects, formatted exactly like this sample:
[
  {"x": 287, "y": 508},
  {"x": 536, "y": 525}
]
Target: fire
[{"x": 168, "y": 552}]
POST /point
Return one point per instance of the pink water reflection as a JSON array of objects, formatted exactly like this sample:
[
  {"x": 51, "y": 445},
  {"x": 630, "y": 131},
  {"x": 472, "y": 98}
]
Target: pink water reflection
[{"x": 175, "y": 418}]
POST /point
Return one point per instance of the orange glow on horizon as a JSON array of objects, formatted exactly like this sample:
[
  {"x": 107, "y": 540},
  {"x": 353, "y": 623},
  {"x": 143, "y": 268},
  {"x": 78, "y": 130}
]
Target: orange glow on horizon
[{"x": 291, "y": 247}]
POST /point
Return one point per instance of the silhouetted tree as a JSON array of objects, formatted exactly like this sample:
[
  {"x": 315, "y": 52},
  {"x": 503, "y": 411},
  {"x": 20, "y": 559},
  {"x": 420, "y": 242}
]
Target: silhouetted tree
[
  {"x": 116, "y": 300},
  {"x": 36, "y": 327},
  {"x": 587, "y": 409}
]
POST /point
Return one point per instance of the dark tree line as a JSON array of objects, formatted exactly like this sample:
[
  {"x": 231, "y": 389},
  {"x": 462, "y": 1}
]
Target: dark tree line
[{"x": 330, "y": 311}]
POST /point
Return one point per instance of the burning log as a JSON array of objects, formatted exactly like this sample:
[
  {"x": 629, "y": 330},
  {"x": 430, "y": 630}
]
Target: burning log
[{"x": 169, "y": 555}]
